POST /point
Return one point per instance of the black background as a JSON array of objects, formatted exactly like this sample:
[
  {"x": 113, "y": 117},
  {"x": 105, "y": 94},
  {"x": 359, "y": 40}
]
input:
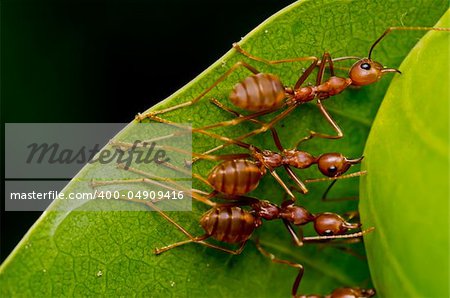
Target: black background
[{"x": 104, "y": 61}]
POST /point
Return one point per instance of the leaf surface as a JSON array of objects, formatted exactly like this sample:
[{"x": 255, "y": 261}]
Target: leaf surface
[
  {"x": 405, "y": 196},
  {"x": 110, "y": 253}
]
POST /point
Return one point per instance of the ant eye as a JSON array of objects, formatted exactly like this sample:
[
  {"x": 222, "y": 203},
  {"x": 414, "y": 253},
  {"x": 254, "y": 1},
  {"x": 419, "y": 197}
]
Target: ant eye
[
  {"x": 365, "y": 66},
  {"x": 328, "y": 233},
  {"x": 332, "y": 169}
]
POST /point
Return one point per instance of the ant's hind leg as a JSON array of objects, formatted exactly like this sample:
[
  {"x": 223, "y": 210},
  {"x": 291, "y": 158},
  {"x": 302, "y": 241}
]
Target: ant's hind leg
[
  {"x": 274, "y": 259},
  {"x": 192, "y": 239},
  {"x": 200, "y": 241},
  {"x": 141, "y": 117},
  {"x": 326, "y": 59},
  {"x": 334, "y": 180},
  {"x": 238, "y": 48}
]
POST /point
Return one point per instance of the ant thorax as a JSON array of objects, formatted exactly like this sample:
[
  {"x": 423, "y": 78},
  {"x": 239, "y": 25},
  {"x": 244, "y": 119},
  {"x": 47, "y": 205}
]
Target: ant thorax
[
  {"x": 298, "y": 159},
  {"x": 269, "y": 158}
]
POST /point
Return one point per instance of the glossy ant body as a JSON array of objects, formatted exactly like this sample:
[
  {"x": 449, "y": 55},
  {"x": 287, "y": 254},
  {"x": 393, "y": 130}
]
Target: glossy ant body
[
  {"x": 264, "y": 93},
  {"x": 238, "y": 174},
  {"x": 230, "y": 223}
]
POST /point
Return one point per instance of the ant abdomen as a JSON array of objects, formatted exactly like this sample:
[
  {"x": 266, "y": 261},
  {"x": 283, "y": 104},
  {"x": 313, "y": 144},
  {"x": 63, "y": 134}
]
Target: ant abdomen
[
  {"x": 229, "y": 224},
  {"x": 235, "y": 177},
  {"x": 258, "y": 92}
]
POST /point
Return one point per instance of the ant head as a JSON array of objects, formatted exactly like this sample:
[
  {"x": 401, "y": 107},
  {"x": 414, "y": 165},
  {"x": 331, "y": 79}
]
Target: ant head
[
  {"x": 331, "y": 224},
  {"x": 352, "y": 293},
  {"x": 335, "y": 164},
  {"x": 366, "y": 71},
  {"x": 295, "y": 214}
]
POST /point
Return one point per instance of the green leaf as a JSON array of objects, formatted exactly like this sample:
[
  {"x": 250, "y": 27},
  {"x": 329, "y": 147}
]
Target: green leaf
[
  {"x": 405, "y": 196},
  {"x": 110, "y": 253}
]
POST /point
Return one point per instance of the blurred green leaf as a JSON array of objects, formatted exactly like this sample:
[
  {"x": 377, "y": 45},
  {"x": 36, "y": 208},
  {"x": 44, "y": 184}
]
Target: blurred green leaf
[
  {"x": 110, "y": 253},
  {"x": 405, "y": 196}
]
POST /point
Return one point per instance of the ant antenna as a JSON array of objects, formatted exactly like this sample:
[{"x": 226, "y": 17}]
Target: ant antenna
[{"x": 390, "y": 29}]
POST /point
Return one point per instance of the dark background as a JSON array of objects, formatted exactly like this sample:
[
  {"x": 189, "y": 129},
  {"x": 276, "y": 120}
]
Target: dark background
[{"x": 104, "y": 61}]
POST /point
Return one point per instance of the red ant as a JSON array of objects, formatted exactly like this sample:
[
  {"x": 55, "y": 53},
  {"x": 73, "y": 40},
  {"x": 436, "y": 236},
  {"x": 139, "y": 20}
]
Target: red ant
[
  {"x": 264, "y": 93},
  {"x": 238, "y": 175},
  {"x": 230, "y": 223}
]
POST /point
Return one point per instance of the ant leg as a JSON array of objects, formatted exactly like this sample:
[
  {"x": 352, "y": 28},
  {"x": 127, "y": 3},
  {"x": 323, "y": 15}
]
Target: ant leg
[
  {"x": 150, "y": 179},
  {"x": 192, "y": 238},
  {"x": 198, "y": 156},
  {"x": 250, "y": 56},
  {"x": 239, "y": 120},
  {"x": 326, "y": 199},
  {"x": 330, "y": 120},
  {"x": 315, "y": 239},
  {"x": 279, "y": 146},
  {"x": 141, "y": 117},
  {"x": 203, "y": 129},
  {"x": 281, "y": 182},
  {"x": 301, "y": 186},
  {"x": 228, "y": 141},
  {"x": 305, "y": 74},
  {"x": 355, "y": 174},
  {"x": 265, "y": 126},
  {"x": 270, "y": 124},
  {"x": 326, "y": 58},
  {"x": 238, "y": 140},
  {"x": 199, "y": 240},
  {"x": 262, "y": 129},
  {"x": 288, "y": 169},
  {"x": 339, "y": 134},
  {"x": 349, "y": 215},
  {"x": 204, "y": 199},
  {"x": 334, "y": 179},
  {"x": 229, "y": 251},
  {"x": 289, "y": 60},
  {"x": 237, "y": 114},
  {"x": 339, "y": 244},
  {"x": 125, "y": 146},
  {"x": 274, "y": 259},
  {"x": 231, "y": 111},
  {"x": 297, "y": 240}
]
